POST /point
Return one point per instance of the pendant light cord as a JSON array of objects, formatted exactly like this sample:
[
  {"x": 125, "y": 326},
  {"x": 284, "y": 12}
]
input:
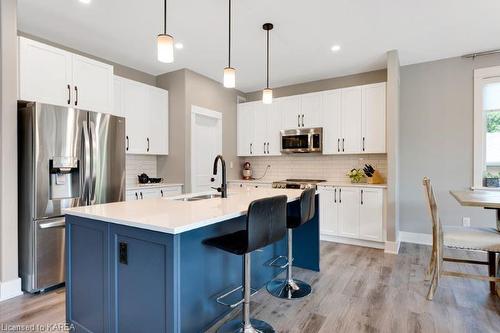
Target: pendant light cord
[
  {"x": 229, "y": 57},
  {"x": 268, "y": 59},
  {"x": 165, "y": 17}
]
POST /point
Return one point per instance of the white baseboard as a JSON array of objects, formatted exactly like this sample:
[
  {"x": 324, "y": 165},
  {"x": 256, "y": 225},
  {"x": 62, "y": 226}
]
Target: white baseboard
[
  {"x": 10, "y": 289},
  {"x": 352, "y": 241},
  {"x": 392, "y": 247},
  {"x": 415, "y": 238}
]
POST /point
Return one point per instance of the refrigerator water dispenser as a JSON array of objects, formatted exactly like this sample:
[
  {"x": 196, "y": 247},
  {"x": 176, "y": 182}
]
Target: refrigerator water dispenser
[{"x": 64, "y": 178}]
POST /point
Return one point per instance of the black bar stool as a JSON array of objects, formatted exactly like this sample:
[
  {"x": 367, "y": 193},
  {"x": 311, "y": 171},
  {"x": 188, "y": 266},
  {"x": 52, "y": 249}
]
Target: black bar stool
[
  {"x": 290, "y": 288},
  {"x": 265, "y": 224}
]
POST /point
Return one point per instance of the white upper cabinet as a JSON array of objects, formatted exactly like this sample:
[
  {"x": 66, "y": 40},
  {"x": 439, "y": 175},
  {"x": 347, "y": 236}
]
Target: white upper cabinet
[
  {"x": 146, "y": 111},
  {"x": 331, "y": 122},
  {"x": 274, "y": 125},
  {"x": 54, "y": 76},
  {"x": 245, "y": 129},
  {"x": 289, "y": 107},
  {"x": 351, "y": 120},
  {"x": 261, "y": 117},
  {"x": 117, "y": 96},
  {"x": 92, "y": 84},
  {"x": 374, "y": 118},
  {"x": 310, "y": 110}
]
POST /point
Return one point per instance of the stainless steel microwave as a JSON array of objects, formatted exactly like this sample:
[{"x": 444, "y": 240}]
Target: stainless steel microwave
[{"x": 302, "y": 140}]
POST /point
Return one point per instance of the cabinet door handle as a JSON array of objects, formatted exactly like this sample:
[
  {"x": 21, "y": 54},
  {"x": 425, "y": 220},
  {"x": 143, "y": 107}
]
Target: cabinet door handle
[
  {"x": 338, "y": 145},
  {"x": 361, "y": 196},
  {"x": 265, "y": 148},
  {"x": 251, "y": 149},
  {"x": 127, "y": 143},
  {"x": 136, "y": 196},
  {"x": 340, "y": 195},
  {"x": 268, "y": 147},
  {"x": 335, "y": 196},
  {"x": 69, "y": 94},
  {"x": 302, "y": 120},
  {"x": 298, "y": 120},
  {"x": 76, "y": 95},
  {"x": 147, "y": 139},
  {"x": 123, "y": 253},
  {"x": 343, "y": 144},
  {"x": 363, "y": 143},
  {"x": 161, "y": 191},
  {"x": 141, "y": 195}
]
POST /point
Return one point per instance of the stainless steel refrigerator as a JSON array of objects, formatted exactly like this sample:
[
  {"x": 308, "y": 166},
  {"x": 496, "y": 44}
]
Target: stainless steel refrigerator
[{"x": 67, "y": 158}]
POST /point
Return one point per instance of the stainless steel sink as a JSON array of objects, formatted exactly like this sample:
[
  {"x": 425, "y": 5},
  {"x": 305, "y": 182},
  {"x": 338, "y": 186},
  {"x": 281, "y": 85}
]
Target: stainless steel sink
[{"x": 200, "y": 197}]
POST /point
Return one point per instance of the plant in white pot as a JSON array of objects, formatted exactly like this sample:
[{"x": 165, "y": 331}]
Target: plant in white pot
[{"x": 356, "y": 175}]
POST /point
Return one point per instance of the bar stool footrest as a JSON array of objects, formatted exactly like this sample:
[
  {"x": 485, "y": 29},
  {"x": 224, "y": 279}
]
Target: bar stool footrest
[
  {"x": 222, "y": 297},
  {"x": 274, "y": 262}
]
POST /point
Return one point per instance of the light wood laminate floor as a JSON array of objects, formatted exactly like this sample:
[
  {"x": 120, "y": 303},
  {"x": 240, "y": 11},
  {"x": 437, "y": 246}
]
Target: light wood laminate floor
[{"x": 358, "y": 290}]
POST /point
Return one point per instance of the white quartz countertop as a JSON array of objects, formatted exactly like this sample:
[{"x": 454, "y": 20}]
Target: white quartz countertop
[
  {"x": 250, "y": 181},
  {"x": 175, "y": 216},
  {"x": 152, "y": 185}
]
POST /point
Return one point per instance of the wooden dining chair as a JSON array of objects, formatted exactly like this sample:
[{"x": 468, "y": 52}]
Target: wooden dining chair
[{"x": 465, "y": 238}]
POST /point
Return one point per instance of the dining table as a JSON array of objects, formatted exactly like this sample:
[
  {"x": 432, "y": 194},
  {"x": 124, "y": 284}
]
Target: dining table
[{"x": 483, "y": 199}]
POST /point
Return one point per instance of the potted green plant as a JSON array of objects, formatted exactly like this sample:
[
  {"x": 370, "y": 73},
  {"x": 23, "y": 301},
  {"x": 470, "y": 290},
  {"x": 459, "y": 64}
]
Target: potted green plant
[
  {"x": 356, "y": 175},
  {"x": 491, "y": 180}
]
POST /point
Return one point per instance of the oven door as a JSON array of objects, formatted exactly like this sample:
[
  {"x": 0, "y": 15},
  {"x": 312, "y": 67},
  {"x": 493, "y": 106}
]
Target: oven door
[{"x": 305, "y": 140}]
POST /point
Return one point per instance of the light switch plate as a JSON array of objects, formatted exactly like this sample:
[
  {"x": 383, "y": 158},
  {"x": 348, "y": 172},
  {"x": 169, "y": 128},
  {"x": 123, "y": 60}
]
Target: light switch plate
[{"x": 466, "y": 221}]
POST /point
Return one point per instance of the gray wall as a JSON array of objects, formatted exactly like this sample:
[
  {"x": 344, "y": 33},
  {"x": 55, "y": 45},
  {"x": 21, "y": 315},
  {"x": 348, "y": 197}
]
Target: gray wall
[
  {"x": 119, "y": 70},
  {"x": 8, "y": 138},
  {"x": 436, "y": 140},
  {"x": 321, "y": 85},
  {"x": 187, "y": 88}
]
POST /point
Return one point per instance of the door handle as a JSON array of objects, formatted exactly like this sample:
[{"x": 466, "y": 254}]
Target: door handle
[
  {"x": 76, "y": 95},
  {"x": 54, "y": 224},
  {"x": 69, "y": 94},
  {"x": 361, "y": 196},
  {"x": 343, "y": 144},
  {"x": 265, "y": 148},
  {"x": 123, "y": 253},
  {"x": 161, "y": 191},
  {"x": 302, "y": 120},
  {"x": 86, "y": 161},
  {"x": 338, "y": 145},
  {"x": 268, "y": 147},
  {"x": 335, "y": 196},
  {"x": 127, "y": 143},
  {"x": 251, "y": 149},
  {"x": 148, "y": 145},
  {"x": 340, "y": 195},
  {"x": 363, "y": 143},
  {"x": 141, "y": 195},
  {"x": 95, "y": 156},
  {"x": 136, "y": 196},
  {"x": 298, "y": 120}
]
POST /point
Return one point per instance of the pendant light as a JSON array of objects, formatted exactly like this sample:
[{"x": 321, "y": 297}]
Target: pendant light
[
  {"x": 165, "y": 42},
  {"x": 267, "y": 94},
  {"x": 229, "y": 72}
]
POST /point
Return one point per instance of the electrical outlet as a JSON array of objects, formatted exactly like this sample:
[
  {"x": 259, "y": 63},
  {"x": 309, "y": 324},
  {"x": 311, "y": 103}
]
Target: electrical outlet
[
  {"x": 230, "y": 164},
  {"x": 466, "y": 221}
]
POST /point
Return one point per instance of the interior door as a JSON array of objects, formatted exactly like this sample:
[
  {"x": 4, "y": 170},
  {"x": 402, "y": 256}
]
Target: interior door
[
  {"x": 44, "y": 73},
  {"x": 351, "y": 120},
  {"x": 206, "y": 144},
  {"x": 93, "y": 85},
  {"x": 107, "y": 139},
  {"x": 331, "y": 122},
  {"x": 348, "y": 212},
  {"x": 374, "y": 118}
]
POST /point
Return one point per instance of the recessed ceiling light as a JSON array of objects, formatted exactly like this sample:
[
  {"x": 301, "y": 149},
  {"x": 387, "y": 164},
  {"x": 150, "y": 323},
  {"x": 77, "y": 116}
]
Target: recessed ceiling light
[
  {"x": 85, "y": 1},
  {"x": 335, "y": 48},
  {"x": 179, "y": 46}
]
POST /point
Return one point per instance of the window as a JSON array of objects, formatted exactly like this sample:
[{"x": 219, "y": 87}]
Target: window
[{"x": 487, "y": 127}]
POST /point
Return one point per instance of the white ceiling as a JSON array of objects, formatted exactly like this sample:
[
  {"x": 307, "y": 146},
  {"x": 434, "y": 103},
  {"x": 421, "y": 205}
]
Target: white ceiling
[{"x": 124, "y": 31}]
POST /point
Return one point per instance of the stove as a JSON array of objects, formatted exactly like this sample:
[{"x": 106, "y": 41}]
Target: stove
[{"x": 298, "y": 183}]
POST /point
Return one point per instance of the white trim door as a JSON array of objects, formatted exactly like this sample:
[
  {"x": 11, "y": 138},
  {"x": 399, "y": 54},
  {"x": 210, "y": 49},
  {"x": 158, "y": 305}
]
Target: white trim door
[{"x": 206, "y": 144}]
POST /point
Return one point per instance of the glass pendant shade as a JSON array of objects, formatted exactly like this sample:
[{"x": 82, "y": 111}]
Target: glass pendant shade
[
  {"x": 165, "y": 48},
  {"x": 229, "y": 77},
  {"x": 267, "y": 96}
]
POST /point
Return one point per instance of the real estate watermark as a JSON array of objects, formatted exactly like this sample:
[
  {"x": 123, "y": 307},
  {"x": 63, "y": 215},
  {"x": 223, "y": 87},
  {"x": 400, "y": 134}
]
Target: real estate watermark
[{"x": 56, "y": 327}]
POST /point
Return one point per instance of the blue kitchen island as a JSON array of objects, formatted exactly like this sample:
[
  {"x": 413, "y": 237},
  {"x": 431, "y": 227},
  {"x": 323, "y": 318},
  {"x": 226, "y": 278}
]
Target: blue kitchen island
[{"x": 141, "y": 266}]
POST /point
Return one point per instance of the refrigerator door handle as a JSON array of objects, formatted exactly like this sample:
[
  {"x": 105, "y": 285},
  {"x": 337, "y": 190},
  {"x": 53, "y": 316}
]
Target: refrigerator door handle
[
  {"x": 86, "y": 162},
  {"x": 93, "y": 168},
  {"x": 54, "y": 224}
]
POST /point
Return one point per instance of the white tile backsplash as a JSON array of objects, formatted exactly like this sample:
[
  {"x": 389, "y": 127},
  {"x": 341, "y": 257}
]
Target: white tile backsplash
[
  {"x": 137, "y": 164},
  {"x": 329, "y": 167}
]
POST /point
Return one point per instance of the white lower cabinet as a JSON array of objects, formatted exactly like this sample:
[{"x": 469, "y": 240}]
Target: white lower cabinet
[
  {"x": 155, "y": 192},
  {"x": 352, "y": 212},
  {"x": 233, "y": 184}
]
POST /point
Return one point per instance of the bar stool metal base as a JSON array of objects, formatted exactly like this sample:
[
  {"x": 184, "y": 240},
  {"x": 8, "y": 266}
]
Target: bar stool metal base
[
  {"x": 236, "y": 326},
  {"x": 288, "y": 289}
]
